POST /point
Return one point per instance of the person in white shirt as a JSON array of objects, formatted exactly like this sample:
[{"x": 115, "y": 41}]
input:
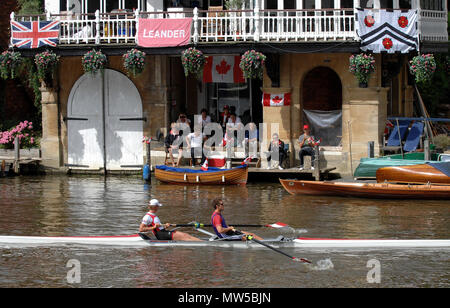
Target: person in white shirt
[
  {"x": 152, "y": 223},
  {"x": 204, "y": 118},
  {"x": 195, "y": 143}
]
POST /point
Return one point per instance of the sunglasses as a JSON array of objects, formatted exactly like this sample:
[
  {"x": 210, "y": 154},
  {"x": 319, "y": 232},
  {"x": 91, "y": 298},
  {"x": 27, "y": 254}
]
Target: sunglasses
[{"x": 182, "y": 117}]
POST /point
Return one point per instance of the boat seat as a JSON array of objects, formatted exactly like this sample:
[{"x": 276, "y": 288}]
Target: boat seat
[
  {"x": 394, "y": 143},
  {"x": 414, "y": 135}
]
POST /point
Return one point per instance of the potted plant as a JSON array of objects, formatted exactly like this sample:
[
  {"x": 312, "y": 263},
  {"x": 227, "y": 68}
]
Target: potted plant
[
  {"x": 422, "y": 67},
  {"x": 193, "y": 61},
  {"x": 362, "y": 66},
  {"x": 46, "y": 63},
  {"x": 134, "y": 62},
  {"x": 9, "y": 64},
  {"x": 252, "y": 64},
  {"x": 93, "y": 61}
]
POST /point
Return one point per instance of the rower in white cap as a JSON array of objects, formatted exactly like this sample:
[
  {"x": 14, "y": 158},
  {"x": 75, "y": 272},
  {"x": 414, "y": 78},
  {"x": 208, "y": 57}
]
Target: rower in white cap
[{"x": 151, "y": 222}]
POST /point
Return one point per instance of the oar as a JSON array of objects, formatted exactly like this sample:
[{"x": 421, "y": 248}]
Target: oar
[
  {"x": 251, "y": 238},
  {"x": 276, "y": 225}
]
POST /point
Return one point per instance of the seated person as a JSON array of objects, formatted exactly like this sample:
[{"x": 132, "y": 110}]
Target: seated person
[
  {"x": 182, "y": 119},
  {"x": 221, "y": 228},
  {"x": 276, "y": 149},
  {"x": 195, "y": 144},
  {"x": 204, "y": 118},
  {"x": 173, "y": 143},
  {"x": 307, "y": 144},
  {"x": 151, "y": 222}
]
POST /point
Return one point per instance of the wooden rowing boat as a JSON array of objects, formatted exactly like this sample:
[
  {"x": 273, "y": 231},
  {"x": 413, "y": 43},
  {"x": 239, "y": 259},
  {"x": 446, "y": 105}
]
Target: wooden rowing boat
[
  {"x": 212, "y": 176},
  {"x": 424, "y": 173},
  {"x": 367, "y": 190}
]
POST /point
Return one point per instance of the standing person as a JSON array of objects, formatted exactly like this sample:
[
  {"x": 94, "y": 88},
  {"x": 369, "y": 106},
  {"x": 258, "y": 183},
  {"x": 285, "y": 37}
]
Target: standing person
[
  {"x": 307, "y": 143},
  {"x": 276, "y": 147},
  {"x": 251, "y": 139},
  {"x": 151, "y": 222},
  {"x": 172, "y": 144},
  {"x": 195, "y": 143},
  {"x": 222, "y": 229},
  {"x": 224, "y": 116}
]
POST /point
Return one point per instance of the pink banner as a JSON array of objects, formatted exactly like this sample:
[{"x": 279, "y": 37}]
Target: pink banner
[{"x": 164, "y": 32}]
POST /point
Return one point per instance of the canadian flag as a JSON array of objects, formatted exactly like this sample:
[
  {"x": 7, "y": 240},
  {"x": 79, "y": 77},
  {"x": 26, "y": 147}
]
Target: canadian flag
[
  {"x": 205, "y": 165},
  {"x": 223, "y": 69},
  {"x": 272, "y": 100}
]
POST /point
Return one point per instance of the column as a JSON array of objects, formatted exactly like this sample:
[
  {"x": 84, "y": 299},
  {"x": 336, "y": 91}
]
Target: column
[{"x": 50, "y": 142}]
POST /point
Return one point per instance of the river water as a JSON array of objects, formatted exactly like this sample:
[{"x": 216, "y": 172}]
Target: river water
[{"x": 84, "y": 205}]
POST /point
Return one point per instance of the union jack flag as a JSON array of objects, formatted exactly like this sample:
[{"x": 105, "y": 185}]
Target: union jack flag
[{"x": 34, "y": 34}]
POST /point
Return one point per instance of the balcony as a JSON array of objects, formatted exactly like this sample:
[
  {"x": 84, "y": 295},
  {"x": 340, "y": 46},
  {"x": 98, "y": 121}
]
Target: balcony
[{"x": 329, "y": 25}]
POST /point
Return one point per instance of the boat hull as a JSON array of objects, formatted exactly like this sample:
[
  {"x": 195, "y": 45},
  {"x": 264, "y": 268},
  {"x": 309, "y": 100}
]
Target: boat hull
[
  {"x": 236, "y": 176},
  {"x": 137, "y": 242},
  {"x": 423, "y": 173},
  {"x": 367, "y": 190}
]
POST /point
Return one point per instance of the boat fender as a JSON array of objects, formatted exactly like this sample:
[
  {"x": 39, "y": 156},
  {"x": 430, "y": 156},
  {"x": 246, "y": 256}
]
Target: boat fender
[
  {"x": 223, "y": 179},
  {"x": 185, "y": 177},
  {"x": 197, "y": 178},
  {"x": 146, "y": 172}
]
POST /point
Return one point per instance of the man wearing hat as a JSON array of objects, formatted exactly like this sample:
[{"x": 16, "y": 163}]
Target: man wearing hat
[
  {"x": 307, "y": 144},
  {"x": 151, "y": 222}
]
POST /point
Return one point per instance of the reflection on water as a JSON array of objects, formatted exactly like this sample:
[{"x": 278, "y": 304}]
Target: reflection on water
[{"x": 80, "y": 205}]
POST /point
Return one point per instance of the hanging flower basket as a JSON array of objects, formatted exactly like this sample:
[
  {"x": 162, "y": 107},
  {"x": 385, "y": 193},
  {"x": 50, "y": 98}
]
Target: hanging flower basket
[
  {"x": 46, "y": 63},
  {"x": 93, "y": 61},
  {"x": 362, "y": 66},
  {"x": 193, "y": 61},
  {"x": 422, "y": 67},
  {"x": 252, "y": 64},
  {"x": 134, "y": 62},
  {"x": 9, "y": 64}
]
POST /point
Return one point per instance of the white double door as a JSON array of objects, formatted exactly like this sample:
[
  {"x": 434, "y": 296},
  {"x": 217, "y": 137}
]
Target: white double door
[{"x": 105, "y": 123}]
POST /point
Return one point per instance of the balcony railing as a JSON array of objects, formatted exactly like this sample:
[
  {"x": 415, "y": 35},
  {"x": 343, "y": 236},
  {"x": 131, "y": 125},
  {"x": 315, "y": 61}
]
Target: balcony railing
[{"x": 231, "y": 26}]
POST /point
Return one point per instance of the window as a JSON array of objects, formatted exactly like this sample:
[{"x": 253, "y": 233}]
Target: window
[{"x": 346, "y": 3}]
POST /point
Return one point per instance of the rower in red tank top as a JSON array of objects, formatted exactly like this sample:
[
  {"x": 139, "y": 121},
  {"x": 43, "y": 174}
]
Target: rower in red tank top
[
  {"x": 151, "y": 222},
  {"x": 222, "y": 229}
]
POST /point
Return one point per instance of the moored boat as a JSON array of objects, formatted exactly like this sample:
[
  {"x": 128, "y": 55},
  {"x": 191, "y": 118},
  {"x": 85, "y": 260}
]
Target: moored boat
[
  {"x": 424, "y": 173},
  {"x": 301, "y": 242},
  {"x": 368, "y": 167},
  {"x": 212, "y": 176},
  {"x": 367, "y": 190}
]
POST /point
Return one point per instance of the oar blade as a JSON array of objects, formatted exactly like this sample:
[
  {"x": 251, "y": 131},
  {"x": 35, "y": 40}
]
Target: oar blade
[
  {"x": 277, "y": 225},
  {"x": 302, "y": 260}
]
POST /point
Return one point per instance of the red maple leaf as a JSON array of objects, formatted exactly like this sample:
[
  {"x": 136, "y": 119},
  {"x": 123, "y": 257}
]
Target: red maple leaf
[
  {"x": 223, "y": 68},
  {"x": 277, "y": 99}
]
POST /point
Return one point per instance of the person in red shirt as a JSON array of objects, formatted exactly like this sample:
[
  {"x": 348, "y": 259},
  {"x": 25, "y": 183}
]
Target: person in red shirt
[{"x": 222, "y": 229}]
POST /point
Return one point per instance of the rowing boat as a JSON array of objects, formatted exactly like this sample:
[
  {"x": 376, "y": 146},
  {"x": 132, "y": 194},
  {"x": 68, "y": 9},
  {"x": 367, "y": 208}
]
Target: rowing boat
[
  {"x": 212, "y": 176},
  {"x": 423, "y": 173},
  {"x": 301, "y": 242},
  {"x": 367, "y": 190}
]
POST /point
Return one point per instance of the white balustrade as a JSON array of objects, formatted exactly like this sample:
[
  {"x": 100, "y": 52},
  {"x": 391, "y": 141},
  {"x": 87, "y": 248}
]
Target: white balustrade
[{"x": 232, "y": 26}]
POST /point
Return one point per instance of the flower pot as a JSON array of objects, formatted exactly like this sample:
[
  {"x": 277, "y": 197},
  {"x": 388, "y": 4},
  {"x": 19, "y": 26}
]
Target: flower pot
[{"x": 363, "y": 84}]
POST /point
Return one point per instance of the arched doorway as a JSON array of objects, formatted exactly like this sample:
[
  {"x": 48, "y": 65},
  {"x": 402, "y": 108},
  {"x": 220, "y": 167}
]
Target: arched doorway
[
  {"x": 322, "y": 104},
  {"x": 104, "y": 123}
]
